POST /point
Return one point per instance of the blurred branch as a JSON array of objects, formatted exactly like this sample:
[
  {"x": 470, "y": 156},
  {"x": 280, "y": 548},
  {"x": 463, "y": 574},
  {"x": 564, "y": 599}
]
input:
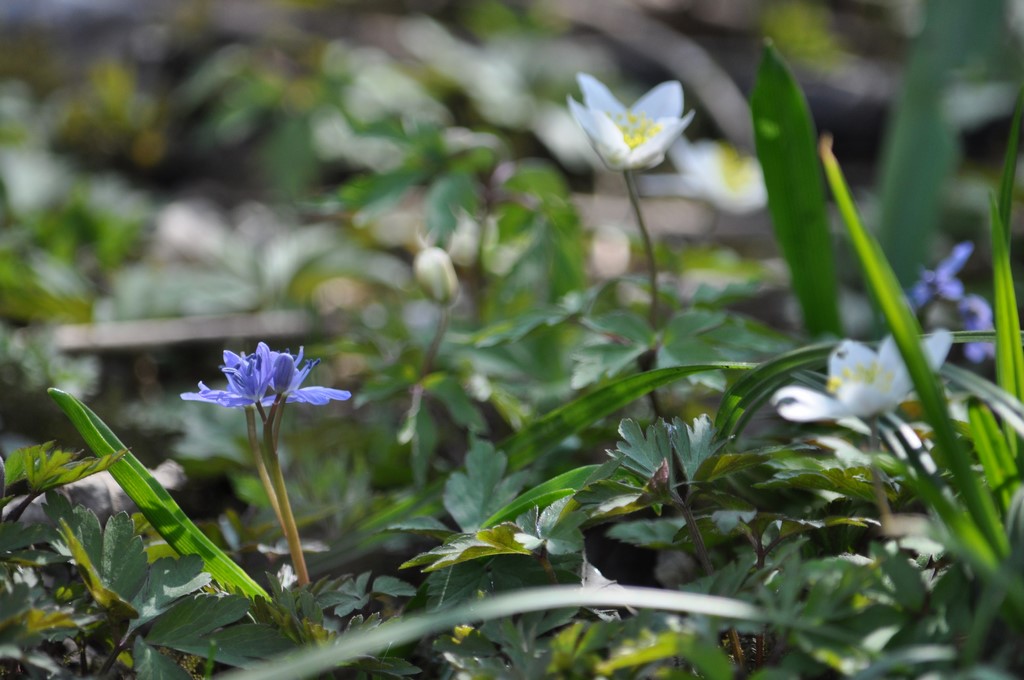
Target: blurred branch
[
  {"x": 132, "y": 335},
  {"x": 688, "y": 61}
]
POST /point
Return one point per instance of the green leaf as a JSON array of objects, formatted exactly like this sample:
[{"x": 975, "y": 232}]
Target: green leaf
[
  {"x": 694, "y": 445},
  {"x": 785, "y": 139},
  {"x": 472, "y": 496},
  {"x": 117, "y": 607},
  {"x": 851, "y": 482},
  {"x": 643, "y": 454},
  {"x": 446, "y": 198},
  {"x": 43, "y": 467},
  {"x": 169, "y": 580},
  {"x": 550, "y": 491},
  {"x": 151, "y": 664},
  {"x": 193, "y": 619},
  {"x": 1009, "y": 351},
  {"x": 162, "y": 512},
  {"x": 658, "y": 534},
  {"x": 450, "y": 393},
  {"x": 556, "y": 529},
  {"x": 549, "y": 431},
  {"x": 395, "y": 587},
  {"x": 371, "y": 194},
  {"x": 981, "y": 532},
  {"x": 498, "y": 540}
]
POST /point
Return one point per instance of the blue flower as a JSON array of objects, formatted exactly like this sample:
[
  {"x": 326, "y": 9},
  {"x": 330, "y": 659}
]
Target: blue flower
[
  {"x": 977, "y": 316},
  {"x": 942, "y": 283},
  {"x": 259, "y": 378}
]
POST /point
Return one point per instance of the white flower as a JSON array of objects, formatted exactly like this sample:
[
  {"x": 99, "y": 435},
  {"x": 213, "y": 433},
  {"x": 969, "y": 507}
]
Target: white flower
[
  {"x": 861, "y": 383},
  {"x": 633, "y": 138},
  {"x": 714, "y": 172}
]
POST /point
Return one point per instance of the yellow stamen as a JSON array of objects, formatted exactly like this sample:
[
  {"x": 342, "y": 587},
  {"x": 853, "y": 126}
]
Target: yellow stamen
[
  {"x": 636, "y": 128},
  {"x": 871, "y": 374},
  {"x": 738, "y": 171}
]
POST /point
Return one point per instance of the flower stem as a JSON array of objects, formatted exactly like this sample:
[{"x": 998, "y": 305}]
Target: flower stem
[
  {"x": 435, "y": 344},
  {"x": 261, "y": 468},
  {"x": 652, "y": 269},
  {"x": 288, "y": 526},
  {"x": 881, "y": 498}
]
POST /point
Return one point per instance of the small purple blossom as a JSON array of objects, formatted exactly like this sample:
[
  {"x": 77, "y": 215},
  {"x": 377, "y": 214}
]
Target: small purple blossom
[
  {"x": 942, "y": 283},
  {"x": 259, "y": 378},
  {"x": 977, "y": 316}
]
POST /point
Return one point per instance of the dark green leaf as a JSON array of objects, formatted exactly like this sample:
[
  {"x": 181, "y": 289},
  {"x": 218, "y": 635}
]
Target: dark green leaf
[
  {"x": 169, "y": 579},
  {"x": 191, "y": 621},
  {"x": 151, "y": 664},
  {"x": 785, "y": 138}
]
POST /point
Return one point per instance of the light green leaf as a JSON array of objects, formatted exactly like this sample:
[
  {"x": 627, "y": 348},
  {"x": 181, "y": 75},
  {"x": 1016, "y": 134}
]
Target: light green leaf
[
  {"x": 43, "y": 467},
  {"x": 163, "y": 513}
]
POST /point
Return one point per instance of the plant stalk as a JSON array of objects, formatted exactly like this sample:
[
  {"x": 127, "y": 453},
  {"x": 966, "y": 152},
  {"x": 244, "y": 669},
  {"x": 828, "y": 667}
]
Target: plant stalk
[
  {"x": 652, "y": 268},
  {"x": 288, "y": 526},
  {"x": 261, "y": 468}
]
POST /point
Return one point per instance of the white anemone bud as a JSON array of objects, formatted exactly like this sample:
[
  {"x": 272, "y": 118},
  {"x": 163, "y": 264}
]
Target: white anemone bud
[{"x": 435, "y": 275}]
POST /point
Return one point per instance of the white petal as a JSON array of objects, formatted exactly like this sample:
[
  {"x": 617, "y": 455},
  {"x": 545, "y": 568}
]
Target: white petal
[
  {"x": 866, "y": 400},
  {"x": 584, "y": 117},
  {"x": 664, "y": 101},
  {"x": 802, "y": 404},
  {"x": 610, "y": 142},
  {"x": 596, "y": 95},
  {"x": 848, "y": 355},
  {"x": 936, "y": 347}
]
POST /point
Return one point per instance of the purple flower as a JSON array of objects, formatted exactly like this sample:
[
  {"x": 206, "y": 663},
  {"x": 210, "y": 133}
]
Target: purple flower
[
  {"x": 260, "y": 377},
  {"x": 942, "y": 282},
  {"x": 976, "y": 314}
]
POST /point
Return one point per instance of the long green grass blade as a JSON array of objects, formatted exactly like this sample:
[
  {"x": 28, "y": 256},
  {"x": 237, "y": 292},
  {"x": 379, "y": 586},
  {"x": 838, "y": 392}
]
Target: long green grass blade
[
  {"x": 997, "y": 460},
  {"x": 1009, "y": 351},
  {"x": 368, "y": 641},
  {"x": 153, "y": 500},
  {"x": 549, "y": 431},
  {"x": 543, "y": 494},
  {"x": 785, "y": 137},
  {"x": 983, "y": 531},
  {"x": 1008, "y": 179}
]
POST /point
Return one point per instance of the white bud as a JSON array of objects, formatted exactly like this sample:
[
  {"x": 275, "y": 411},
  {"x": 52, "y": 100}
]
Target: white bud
[{"x": 435, "y": 275}]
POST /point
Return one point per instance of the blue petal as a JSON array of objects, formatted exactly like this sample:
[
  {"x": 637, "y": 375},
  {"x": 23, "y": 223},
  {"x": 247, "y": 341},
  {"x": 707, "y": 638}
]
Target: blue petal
[{"x": 318, "y": 396}]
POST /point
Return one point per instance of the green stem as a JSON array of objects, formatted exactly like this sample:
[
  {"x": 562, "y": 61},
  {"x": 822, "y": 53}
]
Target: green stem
[
  {"x": 435, "y": 344},
  {"x": 261, "y": 468},
  {"x": 881, "y": 497},
  {"x": 652, "y": 268},
  {"x": 288, "y": 526}
]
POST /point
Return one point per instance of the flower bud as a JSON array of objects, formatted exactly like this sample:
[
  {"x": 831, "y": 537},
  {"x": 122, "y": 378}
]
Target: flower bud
[{"x": 435, "y": 275}]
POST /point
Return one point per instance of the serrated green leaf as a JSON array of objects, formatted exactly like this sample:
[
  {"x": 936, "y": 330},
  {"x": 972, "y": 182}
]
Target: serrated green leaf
[
  {"x": 472, "y": 496},
  {"x": 658, "y": 534},
  {"x": 43, "y": 467},
  {"x": 239, "y": 645},
  {"x": 350, "y": 595},
  {"x": 169, "y": 579},
  {"x": 395, "y": 587},
  {"x": 694, "y": 445},
  {"x": 643, "y": 454},
  {"x": 556, "y": 529},
  {"x": 189, "y": 622},
  {"x": 152, "y": 665},
  {"x": 156, "y": 504},
  {"x": 117, "y": 607},
  {"x": 499, "y": 540}
]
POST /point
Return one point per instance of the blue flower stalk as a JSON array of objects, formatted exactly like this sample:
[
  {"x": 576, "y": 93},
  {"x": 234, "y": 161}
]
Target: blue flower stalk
[{"x": 262, "y": 383}]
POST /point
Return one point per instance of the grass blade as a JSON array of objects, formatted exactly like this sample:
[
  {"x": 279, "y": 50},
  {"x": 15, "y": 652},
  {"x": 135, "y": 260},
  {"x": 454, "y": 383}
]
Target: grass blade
[
  {"x": 1007, "y": 181},
  {"x": 994, "y": 452},
  {"x": 784, "y": 133},
  {"x": 153, "y": 500},
  {"x": 983, "y": 531}
]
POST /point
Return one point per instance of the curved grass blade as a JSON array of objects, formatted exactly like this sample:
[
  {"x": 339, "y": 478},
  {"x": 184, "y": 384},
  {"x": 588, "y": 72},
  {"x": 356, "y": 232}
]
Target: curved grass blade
[
  {"x": 983, "y": 532},
  {"x": 544, "y": 494},
  {"x": 1009, "y": 176},
  {"x": 153, "y": 500},
  {"x": 748, "y": 393},
  {"x": 1009, "y": 352},
  {"x": 997, "y": 459},
  {"x": 547, "y": 432},
  {"x": 411, "y": 628},
  {"x": 784, "y": 133}
]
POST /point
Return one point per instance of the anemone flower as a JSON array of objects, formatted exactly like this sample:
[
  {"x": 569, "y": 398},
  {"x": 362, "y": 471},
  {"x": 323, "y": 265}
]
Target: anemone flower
[
  {"x": 861, "y": 382},
  {"x": 714, "y": 172},
  {"x": 633, "y": 138}
]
